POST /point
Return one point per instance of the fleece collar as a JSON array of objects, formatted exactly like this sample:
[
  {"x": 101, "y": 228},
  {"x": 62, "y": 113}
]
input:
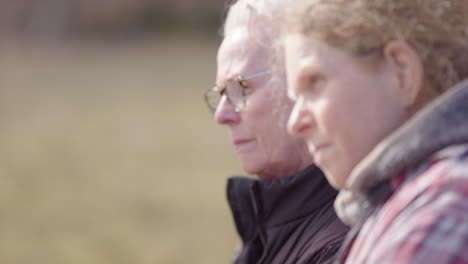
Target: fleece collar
[{"x": 442, "y": 123}]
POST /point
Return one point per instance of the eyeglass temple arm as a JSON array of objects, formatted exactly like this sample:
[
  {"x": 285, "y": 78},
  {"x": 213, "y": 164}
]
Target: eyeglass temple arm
[{"x": 244, "y": 78}]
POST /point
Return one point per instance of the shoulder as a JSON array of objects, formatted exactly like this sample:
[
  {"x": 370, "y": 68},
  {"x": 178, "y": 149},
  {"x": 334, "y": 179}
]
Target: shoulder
[
  {"x": 441, "y": 179},
  {"x": 426, "y": 220},
  {"x": 440, "y": 183}
]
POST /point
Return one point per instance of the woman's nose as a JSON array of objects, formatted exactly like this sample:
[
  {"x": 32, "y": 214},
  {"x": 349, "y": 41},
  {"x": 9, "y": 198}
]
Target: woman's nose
[
  {"x": 225, "y": 113},
  {"x": 301, "y": 120}
]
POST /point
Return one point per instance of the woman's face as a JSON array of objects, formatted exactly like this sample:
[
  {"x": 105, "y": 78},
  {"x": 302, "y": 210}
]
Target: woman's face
[
  {"x": 343, "y": 109},
  {"x": 258, "y": 132}
]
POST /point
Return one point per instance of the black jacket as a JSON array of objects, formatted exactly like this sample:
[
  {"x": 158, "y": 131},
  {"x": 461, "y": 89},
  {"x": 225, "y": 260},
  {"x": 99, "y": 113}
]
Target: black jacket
[{"x": 285, "y": 220}]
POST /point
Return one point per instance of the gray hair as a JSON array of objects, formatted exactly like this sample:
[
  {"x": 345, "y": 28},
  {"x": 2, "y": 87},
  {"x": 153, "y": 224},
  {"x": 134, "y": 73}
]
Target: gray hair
[
  {"x": 258, "y": 17},
  {"x": 261, "y": 21}
]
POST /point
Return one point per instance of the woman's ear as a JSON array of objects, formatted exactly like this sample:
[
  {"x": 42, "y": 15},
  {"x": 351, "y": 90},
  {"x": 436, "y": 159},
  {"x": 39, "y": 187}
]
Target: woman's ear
[{"x": 408, "y": 67}]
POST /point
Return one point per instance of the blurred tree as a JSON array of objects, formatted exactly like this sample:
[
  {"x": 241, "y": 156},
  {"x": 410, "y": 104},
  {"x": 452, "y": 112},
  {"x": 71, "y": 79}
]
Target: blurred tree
[
  {"x": 50, "y": 19},
  {"x": 58, "y": 18}
]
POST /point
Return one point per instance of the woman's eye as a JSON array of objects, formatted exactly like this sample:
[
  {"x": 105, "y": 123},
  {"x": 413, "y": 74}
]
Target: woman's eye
[
  {"x": 247, "y": 88},
  {"x": 313, "y": 84},
  {"x": 248, "y": 91},
  {"x": 315, "y": 80},
  {"x": 222, "y": 92}
]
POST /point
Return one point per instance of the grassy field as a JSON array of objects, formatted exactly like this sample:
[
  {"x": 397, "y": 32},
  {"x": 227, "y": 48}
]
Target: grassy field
[{"x": 108, "y": 155}]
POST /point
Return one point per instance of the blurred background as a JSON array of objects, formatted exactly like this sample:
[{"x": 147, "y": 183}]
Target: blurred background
[{"x": 107, "y": 151}]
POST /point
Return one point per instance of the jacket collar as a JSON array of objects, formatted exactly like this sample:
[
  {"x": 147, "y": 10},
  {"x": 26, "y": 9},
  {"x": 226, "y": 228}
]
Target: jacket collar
[
  {"x": 440, "y": 124},
  {"x": 274, "y": 202}
]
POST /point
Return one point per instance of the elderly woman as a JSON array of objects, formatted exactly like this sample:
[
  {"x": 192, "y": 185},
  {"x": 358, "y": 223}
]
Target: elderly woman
[
  {"x": 286, "y": 215},
  {"x": 377, "y": 100}
]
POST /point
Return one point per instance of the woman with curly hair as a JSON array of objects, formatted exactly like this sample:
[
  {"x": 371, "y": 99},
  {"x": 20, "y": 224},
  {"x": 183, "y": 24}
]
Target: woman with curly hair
[{"x": 381, "y": 100}]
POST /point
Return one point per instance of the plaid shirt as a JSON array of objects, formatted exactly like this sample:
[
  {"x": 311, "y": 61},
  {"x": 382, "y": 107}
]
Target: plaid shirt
[{"x": 425, "y": 220}]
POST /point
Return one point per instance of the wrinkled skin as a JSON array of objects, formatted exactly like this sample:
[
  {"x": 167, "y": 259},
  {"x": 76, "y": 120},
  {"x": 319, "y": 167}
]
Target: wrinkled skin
[{"x": 258, "y": 132}]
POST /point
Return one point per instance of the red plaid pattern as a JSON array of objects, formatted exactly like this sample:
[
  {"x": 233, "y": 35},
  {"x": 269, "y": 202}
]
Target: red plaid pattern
[{"x": 426, "y": 218}]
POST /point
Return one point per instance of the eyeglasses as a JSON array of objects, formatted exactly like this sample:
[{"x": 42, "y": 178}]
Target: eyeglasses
[{"x": 234, "y": 90}]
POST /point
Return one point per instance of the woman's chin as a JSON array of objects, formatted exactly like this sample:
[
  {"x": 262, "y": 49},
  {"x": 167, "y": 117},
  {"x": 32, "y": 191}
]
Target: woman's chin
[{"x": 336, "y": 180}]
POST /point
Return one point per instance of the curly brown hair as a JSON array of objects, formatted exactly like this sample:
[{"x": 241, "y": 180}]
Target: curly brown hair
[{"x": 436, "y": 29}]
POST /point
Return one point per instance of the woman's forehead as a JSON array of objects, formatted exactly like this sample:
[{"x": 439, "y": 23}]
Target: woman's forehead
[{"x": 240, "y": 55}]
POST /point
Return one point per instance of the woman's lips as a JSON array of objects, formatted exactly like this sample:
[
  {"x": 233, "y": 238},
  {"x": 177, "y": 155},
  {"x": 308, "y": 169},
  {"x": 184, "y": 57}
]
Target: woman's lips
[
  {"x": 314, "y": 149},
  {"x": 239, "y": 143}
]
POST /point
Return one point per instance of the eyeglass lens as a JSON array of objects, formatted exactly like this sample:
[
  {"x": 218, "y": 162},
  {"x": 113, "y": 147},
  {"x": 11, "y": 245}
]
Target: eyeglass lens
[{"x": 234, "y": 92}]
